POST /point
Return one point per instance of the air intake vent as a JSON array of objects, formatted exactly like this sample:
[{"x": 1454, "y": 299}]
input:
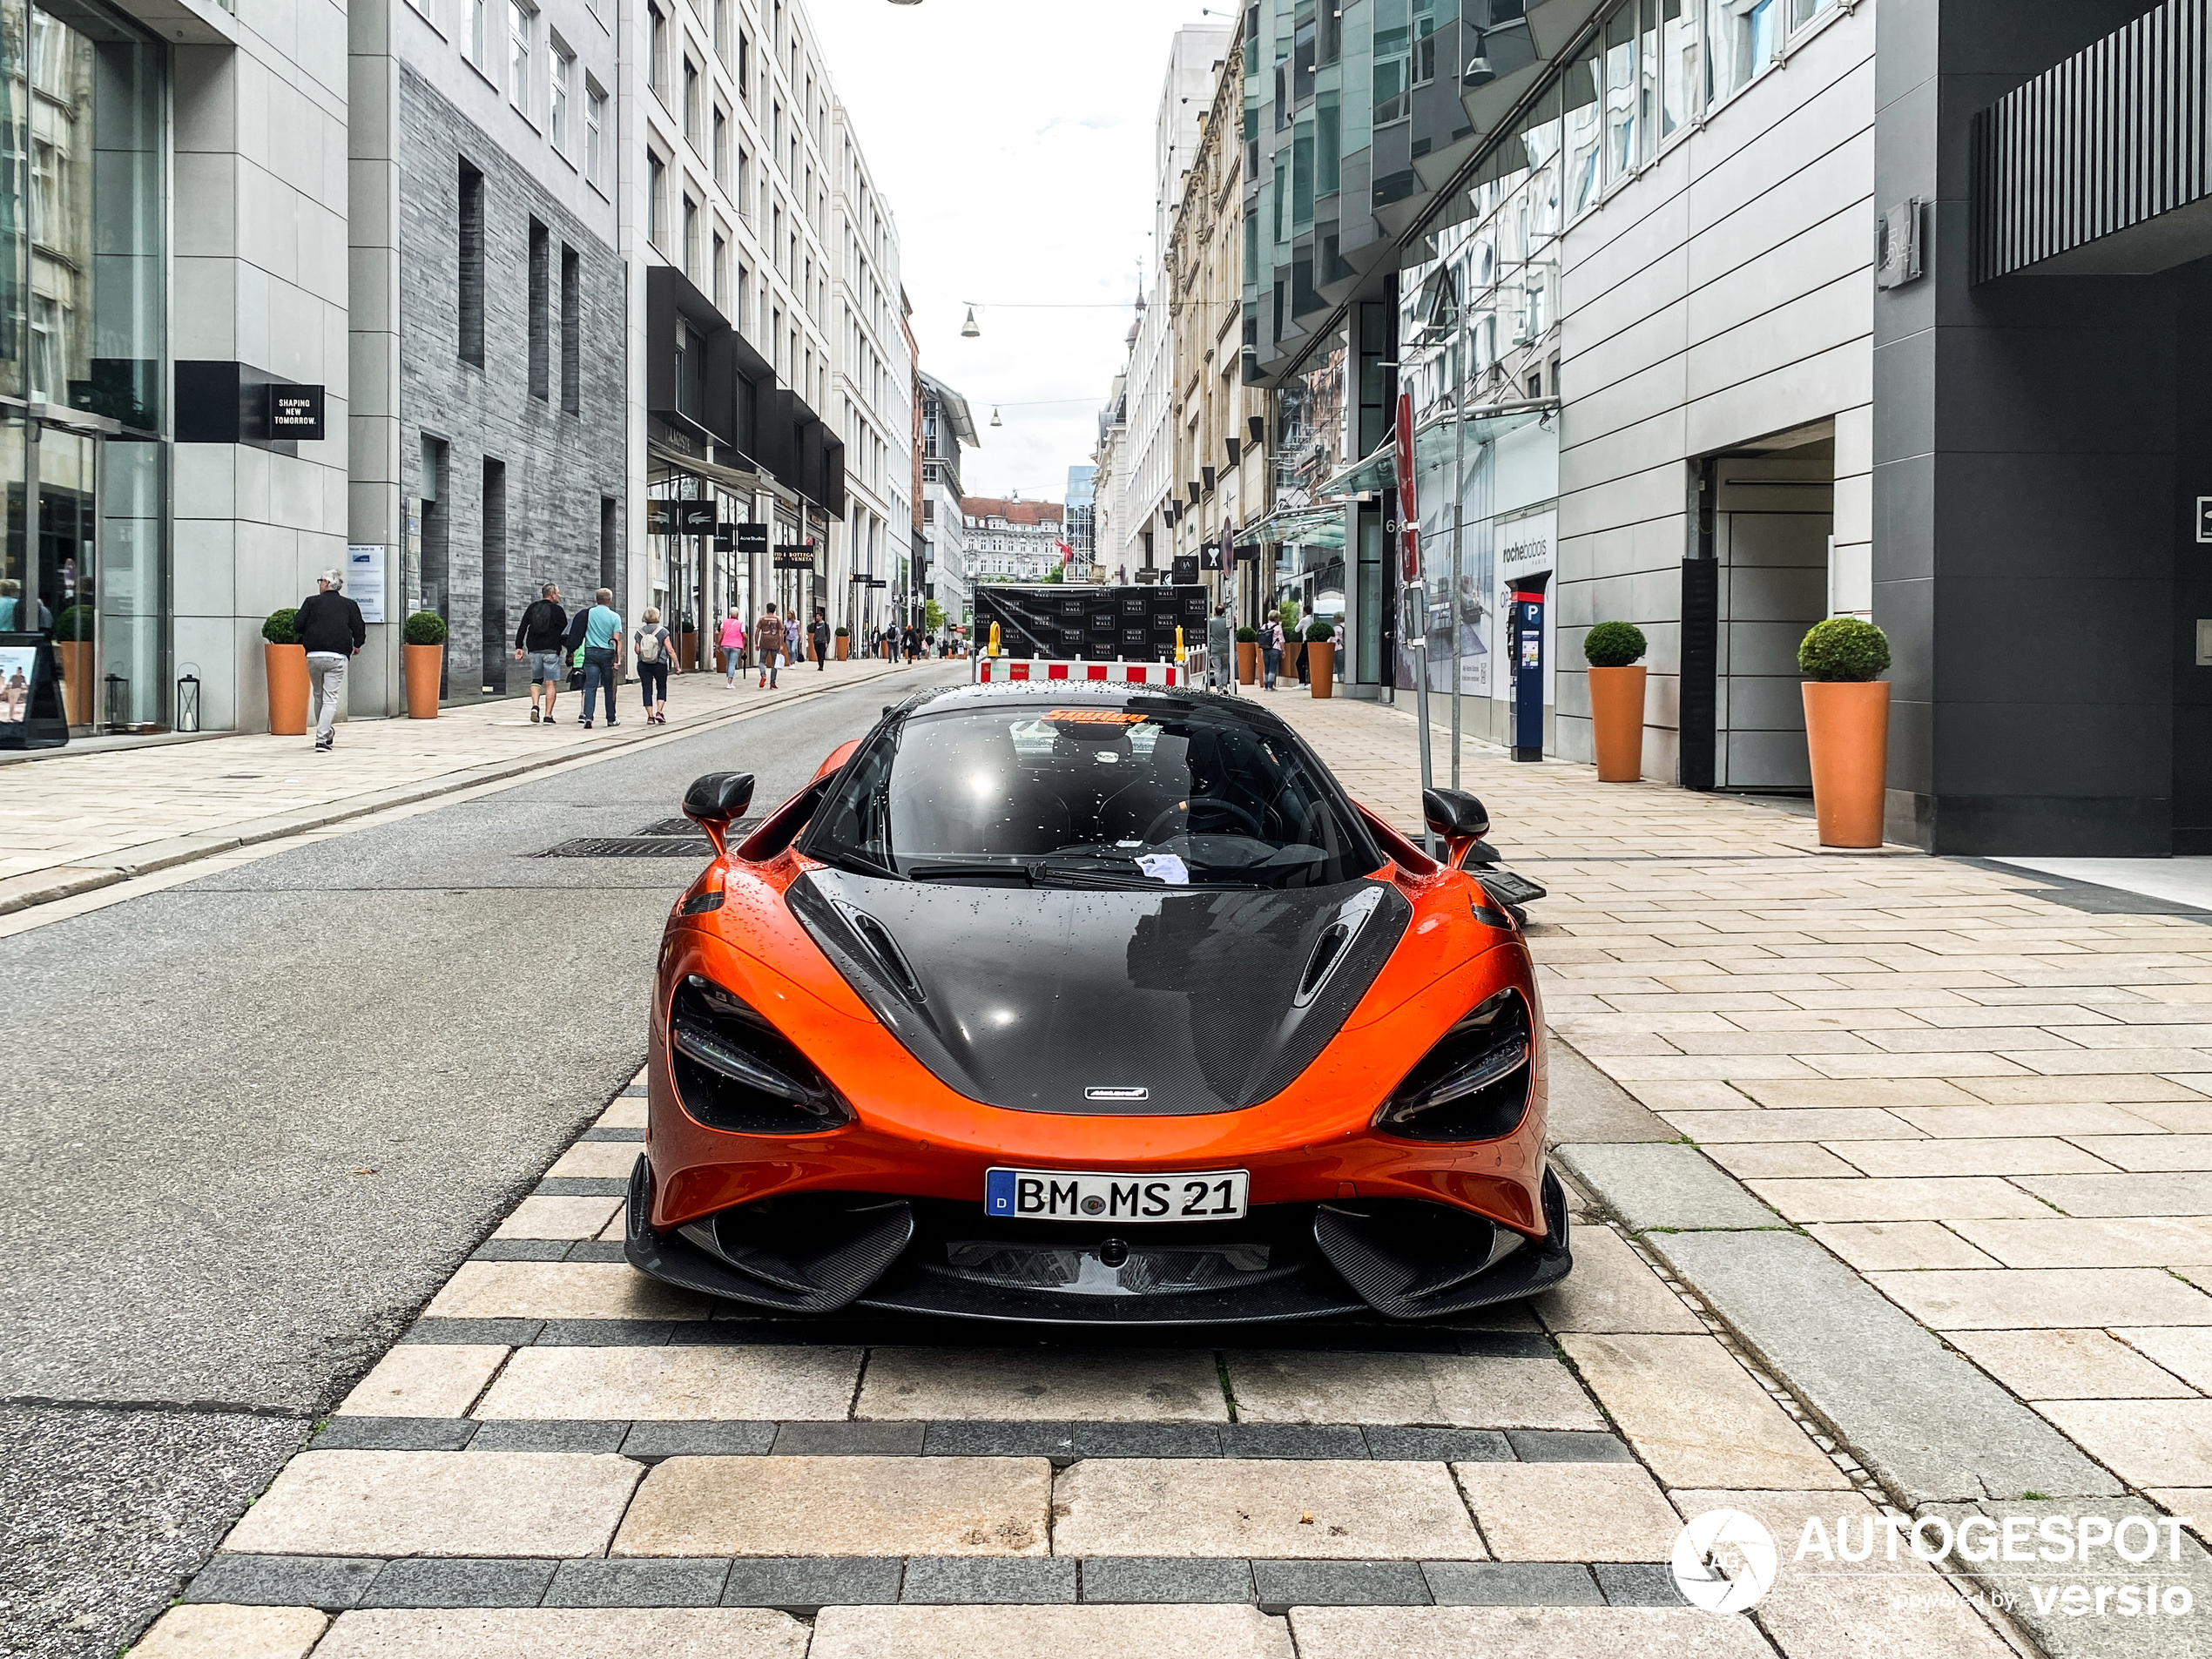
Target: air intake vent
[
  {"x": 885, "y": 949},
  {"x": 735, "y": 1071}
]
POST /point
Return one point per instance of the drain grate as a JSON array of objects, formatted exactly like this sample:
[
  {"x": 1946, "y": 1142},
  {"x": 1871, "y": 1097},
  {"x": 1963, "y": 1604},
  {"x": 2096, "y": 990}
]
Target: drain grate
[
  {"x": 632, "y": 846},
  {"x": 672, "y": 838}
]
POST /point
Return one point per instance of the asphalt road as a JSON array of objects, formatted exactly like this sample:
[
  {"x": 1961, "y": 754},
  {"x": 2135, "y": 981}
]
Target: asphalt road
[{"x": 255, "y": 1121}]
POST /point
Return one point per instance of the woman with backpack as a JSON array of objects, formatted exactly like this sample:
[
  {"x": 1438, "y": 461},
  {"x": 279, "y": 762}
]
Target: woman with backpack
[
  {"x": 656, "y": 656},
  {"x": 1271, "y": 650}
]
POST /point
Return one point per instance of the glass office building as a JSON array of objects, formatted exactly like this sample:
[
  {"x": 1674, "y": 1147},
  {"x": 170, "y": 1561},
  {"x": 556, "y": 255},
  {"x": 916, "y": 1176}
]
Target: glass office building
[{"x": 82, "y": 307}]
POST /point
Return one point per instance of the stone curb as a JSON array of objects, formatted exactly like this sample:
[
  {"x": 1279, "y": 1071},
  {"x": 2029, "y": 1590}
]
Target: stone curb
[
  {"x": 76, "y": 879},
  {"x": 1924, "y": 1421},
  {"x": 804, "y": 1583}
]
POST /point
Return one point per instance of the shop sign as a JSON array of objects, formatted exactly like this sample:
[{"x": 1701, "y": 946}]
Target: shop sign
[
  {"x": 679, "y": 518},
  {"x": 752, "y": 539},
  {"x": 296, "y": 412}
]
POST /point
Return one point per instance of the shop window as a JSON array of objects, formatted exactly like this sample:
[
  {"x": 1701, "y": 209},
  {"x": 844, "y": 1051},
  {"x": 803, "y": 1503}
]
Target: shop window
[{"x": 1620, "y": 94}]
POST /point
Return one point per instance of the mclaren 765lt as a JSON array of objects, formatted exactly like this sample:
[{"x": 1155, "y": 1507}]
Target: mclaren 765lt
[{"x": 1079, "y": 1002}]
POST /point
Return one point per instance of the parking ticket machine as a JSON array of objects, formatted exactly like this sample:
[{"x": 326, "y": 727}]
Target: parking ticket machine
[{"x": 1528, "y": 644}]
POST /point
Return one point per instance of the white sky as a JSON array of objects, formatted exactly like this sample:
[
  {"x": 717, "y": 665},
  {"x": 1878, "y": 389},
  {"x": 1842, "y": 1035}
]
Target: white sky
[{"x": 1015, "y": 140}]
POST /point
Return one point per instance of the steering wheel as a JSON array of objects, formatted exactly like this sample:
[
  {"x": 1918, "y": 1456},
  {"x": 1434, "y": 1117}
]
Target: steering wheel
[{"x": 1192, "y": 806}]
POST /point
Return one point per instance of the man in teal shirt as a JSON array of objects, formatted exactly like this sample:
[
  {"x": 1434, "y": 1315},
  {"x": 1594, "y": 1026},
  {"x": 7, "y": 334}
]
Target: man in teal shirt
[{"x": 602, "y": 653}]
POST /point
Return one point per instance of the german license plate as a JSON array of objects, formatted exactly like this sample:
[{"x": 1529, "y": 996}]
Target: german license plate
[{"x": 1075, "y": 1195}]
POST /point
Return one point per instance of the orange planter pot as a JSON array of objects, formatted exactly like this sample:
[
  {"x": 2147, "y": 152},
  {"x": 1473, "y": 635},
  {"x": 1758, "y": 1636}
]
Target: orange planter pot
[
  {"x": 73, "y": 657},
  {"x": 1616, "y": 723},
  {"x": 423, "y": 667},
  {"x": 1847, "y": 731},
  {"x": 288, "y": 671},
  {"x": 843, "y": 647},
  {"x": 1247, "y": 662},
  {"x": 1322, "y": 659}
]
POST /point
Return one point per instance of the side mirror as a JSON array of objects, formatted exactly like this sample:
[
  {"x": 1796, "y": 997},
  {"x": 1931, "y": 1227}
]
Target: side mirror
[
  {"x": 717, "y": 800},
  {"x": 1454, "y": 814}
]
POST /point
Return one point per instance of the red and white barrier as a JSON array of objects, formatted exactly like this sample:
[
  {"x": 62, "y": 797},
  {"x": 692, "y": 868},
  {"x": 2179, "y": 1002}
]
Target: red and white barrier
[{"x": 1002, "y": 670}]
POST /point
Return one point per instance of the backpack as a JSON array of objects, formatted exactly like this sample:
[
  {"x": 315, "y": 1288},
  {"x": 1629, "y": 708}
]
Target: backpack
[{"x": 648, "y": 646}]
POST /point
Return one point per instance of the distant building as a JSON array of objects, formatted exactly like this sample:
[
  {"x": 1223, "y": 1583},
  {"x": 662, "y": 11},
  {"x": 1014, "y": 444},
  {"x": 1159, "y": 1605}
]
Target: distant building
[
  {"x": 1081, "y": 513},
  {"x": 1014, "y": 541},
  {"x": 940, "y": 567}
]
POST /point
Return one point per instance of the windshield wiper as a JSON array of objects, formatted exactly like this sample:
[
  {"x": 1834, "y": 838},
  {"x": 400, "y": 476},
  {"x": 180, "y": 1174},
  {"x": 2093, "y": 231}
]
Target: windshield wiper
[
  {"x": 1017, "y": 873},
  {"x": 859, "y": 864}
]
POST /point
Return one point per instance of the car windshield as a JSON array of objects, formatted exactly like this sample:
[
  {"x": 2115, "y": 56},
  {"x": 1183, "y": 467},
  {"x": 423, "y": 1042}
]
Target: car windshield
[{"x": 1147, "y": 792}]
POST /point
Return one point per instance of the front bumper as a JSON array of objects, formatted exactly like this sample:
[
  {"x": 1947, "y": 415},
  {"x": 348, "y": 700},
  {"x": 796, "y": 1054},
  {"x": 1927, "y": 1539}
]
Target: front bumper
[{"x": 828, "y": 1251}]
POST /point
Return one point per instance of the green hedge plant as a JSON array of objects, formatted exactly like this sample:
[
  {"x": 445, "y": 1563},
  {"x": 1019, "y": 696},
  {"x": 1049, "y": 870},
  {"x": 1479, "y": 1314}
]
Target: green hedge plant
[
  {"x": 425, "y": 628},
  {"x": 1613, "y": 645},
  {"x": 1320, "y": 633},
  {"x": 1248, "y": 636},
  {"x": 76, "y": 623},
  {"x": 282, "y": 627},
  {"x": 1843, "y": 648},
  {"x": 845, "y": 633}
]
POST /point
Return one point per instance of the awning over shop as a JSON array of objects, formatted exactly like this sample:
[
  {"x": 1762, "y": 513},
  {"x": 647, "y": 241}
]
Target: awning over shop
[
  {"x": 1320, "y": 526},
  {"x": 736, "y": 481},
  {"x": 1433, "y": 441}
]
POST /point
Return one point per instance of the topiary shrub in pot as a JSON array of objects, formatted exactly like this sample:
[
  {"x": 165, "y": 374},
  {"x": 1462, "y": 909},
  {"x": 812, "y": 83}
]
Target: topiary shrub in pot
[
  {"x": 285, "y": 661},
  {"x": 73, "y": 657},
  {"x": 422, "y": 651},
  {"x": 1321, "y": 657},
  {"x": 1614, "y": 651},
  {"x": 843, "y": 637},
  {"x": 1247, "y": 656},
  {"x": 1847, "y": 727}
]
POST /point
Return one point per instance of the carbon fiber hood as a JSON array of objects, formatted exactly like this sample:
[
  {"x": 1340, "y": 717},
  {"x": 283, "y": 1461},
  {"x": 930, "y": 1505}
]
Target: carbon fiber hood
[{"x": 1123, "y": 1004}]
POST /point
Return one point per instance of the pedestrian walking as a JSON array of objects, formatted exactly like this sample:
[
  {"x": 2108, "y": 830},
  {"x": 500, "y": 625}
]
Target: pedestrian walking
[
  {"x": 732, "y": 643},
  {"x": 768, "y": 640},
  {"x": 538, "y": 642},
  {"x": 1305, "y": 656},
  {"x": 331, "y": 628},
  {"x": 1221, "y": 652},
  {"x": 602, "y": 654},
  {"x": 1336, "y": 641},
  {"x": 655, "y": 657},
  {"x": 910, "y": 641},
  {"x": 818, "y": 635},
  {"x": 1270, "y": 651}
]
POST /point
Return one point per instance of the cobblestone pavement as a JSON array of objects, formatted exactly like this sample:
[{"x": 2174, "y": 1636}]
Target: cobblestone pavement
[
  {"x": 563, "y": 1457},
  {"x": 1950, "y": 1127},
  {"x": 70, "y": 822}
]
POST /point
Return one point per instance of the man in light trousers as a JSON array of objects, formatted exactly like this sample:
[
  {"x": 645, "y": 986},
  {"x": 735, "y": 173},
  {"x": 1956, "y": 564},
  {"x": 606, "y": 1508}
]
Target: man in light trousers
[{"x": 331, "y": 628}]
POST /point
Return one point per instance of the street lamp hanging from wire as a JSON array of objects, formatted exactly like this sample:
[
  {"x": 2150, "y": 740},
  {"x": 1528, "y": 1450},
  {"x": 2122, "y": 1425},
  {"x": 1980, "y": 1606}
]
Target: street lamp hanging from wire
[{"x": 967, "y": 330}]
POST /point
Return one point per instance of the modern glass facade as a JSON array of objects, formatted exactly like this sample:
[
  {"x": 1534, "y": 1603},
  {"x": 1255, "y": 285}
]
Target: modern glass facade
[{"x": 83, "y": 262}]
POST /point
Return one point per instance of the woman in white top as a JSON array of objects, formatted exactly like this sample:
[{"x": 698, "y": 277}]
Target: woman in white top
[{"x": 655, "y": 654}]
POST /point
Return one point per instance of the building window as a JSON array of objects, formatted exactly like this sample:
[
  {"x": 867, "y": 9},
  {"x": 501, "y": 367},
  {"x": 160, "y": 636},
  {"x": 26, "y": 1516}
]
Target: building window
[
  {"x": 656, "y": 52},
  {"x": 655, "y": 199},
  {"x": 745, "y": 185},
  {"x": 722, "y": 30},
  {"x": 558, "y": 92},
  {"x": 721, "y": 151},
  {"x": 741, "y": 316},
  {"x": 478, "y": 37},
  {"x": 691, "y": 103},
  {"x": 541, "y": 312},
  {"x": 719, "y": 272},
  {"x": 522, "y": 24},
  {"x": 594, "y": 134},
  {"x": 470, "y": 276},
  {"x": 691, "y": 371},
  {"x": 571, "y": 331},
  {"x": 744, "y": 66},
  {"x": 691, "y": 238}
]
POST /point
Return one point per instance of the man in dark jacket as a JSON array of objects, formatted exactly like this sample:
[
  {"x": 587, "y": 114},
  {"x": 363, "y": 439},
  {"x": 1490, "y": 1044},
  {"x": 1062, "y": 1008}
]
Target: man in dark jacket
[
  {"x": 331, "y": 628},
  {"x": 545, "y": 627},
  {"x": 818, "y": 635}
]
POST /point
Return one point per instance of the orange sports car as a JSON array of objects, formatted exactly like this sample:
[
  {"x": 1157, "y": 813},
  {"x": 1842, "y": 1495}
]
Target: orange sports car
[{"x": 1078, "y": 1002}]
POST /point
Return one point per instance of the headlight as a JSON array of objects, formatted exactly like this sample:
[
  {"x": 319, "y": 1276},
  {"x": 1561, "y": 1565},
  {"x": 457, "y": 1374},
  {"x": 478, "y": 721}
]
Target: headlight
[
  {"x": 1474, "y": 1084},
  {"x": 735, "y": 1071}
]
